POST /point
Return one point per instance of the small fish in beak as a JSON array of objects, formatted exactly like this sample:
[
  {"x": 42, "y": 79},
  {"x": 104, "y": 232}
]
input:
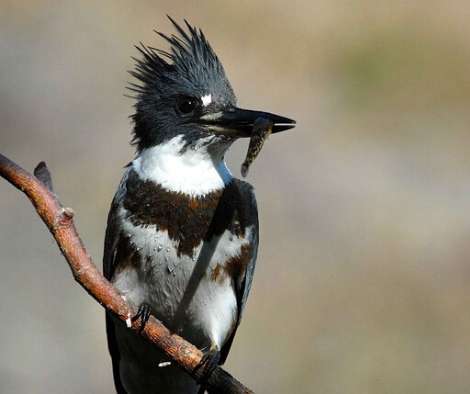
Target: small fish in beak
[{"x": 262, "y": 129}]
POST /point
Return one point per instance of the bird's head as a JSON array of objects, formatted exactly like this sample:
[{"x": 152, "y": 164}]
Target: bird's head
[{"x": 185, "y": 92}]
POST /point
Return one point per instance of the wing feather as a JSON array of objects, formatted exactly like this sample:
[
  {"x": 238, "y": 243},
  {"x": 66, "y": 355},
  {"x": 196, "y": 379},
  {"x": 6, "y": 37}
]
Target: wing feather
[
  {"x": 248, "y": 211},
  {"x": 109, "y": 264}
]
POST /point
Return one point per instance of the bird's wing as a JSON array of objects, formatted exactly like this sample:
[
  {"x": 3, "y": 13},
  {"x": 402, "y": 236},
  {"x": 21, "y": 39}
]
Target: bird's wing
[
  {"x": 248, "y": 215},
  {"x": 109, "y": 264},
  {"x": 112, "y": 236}
]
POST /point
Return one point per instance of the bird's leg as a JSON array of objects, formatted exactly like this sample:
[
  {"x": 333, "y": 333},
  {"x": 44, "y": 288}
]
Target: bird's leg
[
  {"x": 209, "y": 362},
  {"x": 143, "y": 313}
]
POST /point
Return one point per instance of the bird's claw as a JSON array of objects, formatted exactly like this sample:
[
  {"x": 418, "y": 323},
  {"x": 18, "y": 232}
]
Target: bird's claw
[
  {"x": 209, "y": 362},
  {"x": 143, "y": 313}
]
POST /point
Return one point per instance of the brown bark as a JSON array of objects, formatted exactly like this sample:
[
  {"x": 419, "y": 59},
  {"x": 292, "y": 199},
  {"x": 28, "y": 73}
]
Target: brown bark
[{"x": 59, "y": 220}]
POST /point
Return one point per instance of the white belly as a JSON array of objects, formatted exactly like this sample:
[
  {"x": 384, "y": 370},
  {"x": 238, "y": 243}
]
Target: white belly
[{"x": 180, "y": 289}]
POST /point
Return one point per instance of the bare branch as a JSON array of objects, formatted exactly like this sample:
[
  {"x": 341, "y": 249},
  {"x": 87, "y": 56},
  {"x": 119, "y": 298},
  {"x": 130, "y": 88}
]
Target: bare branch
[{"x": 59, "y": 220}]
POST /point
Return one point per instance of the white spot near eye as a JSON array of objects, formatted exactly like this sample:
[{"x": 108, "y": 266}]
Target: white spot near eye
[{"x": 206, "y": 100}]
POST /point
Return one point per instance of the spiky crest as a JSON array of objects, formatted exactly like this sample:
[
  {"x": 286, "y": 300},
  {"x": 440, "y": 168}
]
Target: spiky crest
[{"x": 190, "y": 58}]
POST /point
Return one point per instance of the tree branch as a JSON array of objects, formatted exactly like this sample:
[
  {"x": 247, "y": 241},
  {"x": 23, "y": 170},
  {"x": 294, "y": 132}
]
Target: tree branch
[{"x": 59, "y": 220}]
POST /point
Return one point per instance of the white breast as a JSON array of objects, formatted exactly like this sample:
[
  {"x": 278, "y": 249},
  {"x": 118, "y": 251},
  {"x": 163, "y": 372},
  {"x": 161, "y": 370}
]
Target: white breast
[{"x": 194, "y": 171}]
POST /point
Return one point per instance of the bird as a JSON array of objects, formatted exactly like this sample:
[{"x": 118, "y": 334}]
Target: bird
[{"x": 182, "y": 232}]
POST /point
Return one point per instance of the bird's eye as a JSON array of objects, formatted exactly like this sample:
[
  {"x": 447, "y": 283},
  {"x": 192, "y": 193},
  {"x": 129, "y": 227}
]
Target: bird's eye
[{"x": 187, "y": 105}]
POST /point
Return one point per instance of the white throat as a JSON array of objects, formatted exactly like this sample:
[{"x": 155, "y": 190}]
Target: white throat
[{"x": 195, "y": 172}]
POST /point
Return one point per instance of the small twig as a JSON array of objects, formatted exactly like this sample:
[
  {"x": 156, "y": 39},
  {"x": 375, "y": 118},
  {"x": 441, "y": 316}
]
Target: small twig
[
  {"x": 59, "y": 220},
  {"x": 42, "y": 173}
]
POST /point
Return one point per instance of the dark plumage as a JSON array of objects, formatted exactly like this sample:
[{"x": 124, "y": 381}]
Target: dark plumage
[
  {"x": 188, "y": 219},
  {"x": 188, "y": 71}
]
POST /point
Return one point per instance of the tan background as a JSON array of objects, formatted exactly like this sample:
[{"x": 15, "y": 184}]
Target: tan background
[{"x": 363, "y": 279}]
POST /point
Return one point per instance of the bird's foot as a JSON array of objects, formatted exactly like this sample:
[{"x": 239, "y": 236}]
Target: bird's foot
[
  {"x": 209, "y": 362},
  {"x": 143, "y": 313}
]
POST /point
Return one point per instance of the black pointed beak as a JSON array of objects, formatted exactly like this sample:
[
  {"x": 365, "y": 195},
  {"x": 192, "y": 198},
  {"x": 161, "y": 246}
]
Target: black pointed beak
[{"x": 239, "y": 122}]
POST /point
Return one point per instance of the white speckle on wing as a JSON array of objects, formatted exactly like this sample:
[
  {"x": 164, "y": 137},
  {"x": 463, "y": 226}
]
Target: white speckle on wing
[
  {"x": 164, "y": 364},
  {"x": 191, "y": 171},
  {"x": 206, "y": 100},
  {"x": 129, "y": 322}
]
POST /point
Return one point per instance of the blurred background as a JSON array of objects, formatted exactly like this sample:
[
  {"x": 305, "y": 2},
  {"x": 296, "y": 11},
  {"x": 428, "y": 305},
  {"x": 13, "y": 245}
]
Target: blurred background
[{"x": 363, "y": 276}]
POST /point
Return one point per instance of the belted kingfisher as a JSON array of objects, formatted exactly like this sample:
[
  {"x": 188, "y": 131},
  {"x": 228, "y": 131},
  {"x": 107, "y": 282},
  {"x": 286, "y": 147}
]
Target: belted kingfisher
[{"x": 182, "y": 234}]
